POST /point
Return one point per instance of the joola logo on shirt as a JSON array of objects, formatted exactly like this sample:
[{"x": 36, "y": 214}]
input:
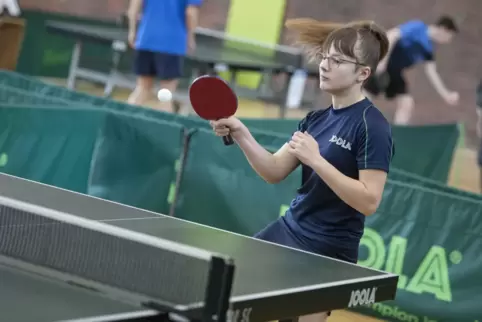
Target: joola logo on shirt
[
  {"x": 341, "y": 142},
  {"x": 363, "y": 297}
]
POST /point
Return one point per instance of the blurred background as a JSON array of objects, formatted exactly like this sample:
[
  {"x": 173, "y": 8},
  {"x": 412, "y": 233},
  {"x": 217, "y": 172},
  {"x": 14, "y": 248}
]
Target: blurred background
[{"x": 66, "y": 58}]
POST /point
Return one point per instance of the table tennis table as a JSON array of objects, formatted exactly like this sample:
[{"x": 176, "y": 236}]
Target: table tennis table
[
  {"x": 261, "y": 281},
  {"x": 214, "y": 52}
]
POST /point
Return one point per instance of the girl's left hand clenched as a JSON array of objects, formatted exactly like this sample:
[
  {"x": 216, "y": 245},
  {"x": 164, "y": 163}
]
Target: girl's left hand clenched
[{"x": 305, "y": 148}]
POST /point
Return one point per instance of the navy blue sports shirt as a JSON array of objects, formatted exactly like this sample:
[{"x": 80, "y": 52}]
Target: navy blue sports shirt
[{"x": 353, "y": 138}]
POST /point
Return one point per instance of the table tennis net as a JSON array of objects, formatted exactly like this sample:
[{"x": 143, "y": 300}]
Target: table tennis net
[{"x": 120, "y": 262}]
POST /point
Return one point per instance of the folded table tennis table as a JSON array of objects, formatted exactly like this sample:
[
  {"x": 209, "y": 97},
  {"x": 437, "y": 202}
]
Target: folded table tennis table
[{"x": 78, "y": 267}]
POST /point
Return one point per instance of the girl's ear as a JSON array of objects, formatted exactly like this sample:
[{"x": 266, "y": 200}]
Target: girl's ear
[{"x": 363, "y": 73}]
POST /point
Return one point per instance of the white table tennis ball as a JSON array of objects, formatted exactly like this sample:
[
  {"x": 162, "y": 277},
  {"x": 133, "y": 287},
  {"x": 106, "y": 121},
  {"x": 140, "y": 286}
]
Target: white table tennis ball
[{"x": 164, "y": 95}]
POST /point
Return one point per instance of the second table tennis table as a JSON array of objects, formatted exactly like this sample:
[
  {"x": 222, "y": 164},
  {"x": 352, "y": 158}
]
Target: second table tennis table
[
  {"x": 214, "y": 52},
  {"x": 271, "y": 282}
]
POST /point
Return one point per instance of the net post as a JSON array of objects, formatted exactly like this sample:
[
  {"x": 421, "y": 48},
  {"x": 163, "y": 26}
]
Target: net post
[
  {"x": 218, "y": 290},
  {"x": 226, "y": 292}
]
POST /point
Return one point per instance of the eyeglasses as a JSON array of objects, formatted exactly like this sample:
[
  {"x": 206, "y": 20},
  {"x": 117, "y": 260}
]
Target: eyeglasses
[{"x": 337, "y": 61}]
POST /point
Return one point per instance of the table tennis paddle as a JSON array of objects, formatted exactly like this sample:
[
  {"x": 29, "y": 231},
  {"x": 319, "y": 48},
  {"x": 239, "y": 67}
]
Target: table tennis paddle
[{"x": 213, "y": 99}]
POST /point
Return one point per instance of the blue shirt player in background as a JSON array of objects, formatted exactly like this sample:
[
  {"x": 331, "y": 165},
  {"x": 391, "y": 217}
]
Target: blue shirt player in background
[
  {"x": 412, "y": 43},
  {"x": 161, "y": 32},
  {"x": 344, "y": 151}
]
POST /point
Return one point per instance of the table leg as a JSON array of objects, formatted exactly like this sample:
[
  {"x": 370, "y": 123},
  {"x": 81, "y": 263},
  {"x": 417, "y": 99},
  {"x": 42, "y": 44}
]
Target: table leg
[
  {"x": 118, "y": 49},
  {"x": 111, "y": 80},
  {"x": 232, "y": 77},
  {"x": 283, "y": 107},
  {"x": 265, "y": 82},
  {"x": 74, "y": 65}
]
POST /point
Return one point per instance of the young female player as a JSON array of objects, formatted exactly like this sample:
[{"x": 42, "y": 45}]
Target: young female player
[{"x": 345, "y": 150}]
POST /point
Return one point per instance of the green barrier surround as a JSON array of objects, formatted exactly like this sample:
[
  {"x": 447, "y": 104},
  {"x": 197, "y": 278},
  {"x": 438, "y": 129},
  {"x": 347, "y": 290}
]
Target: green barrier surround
[
  {"x": 414, "y": 179},
  {"x": 133, "y": 161},
  {"x": 33, "y": 148},
  {"x": 433, "y": 240},
  {"x": 35, "y": 86},
  {"x": 431, "y": 146},
  {"x": 111, "y": 155},
  {"x": 12, "y": 96},
  {"x": 62, "y": 96},
  {"x": 430, "y": 149}
]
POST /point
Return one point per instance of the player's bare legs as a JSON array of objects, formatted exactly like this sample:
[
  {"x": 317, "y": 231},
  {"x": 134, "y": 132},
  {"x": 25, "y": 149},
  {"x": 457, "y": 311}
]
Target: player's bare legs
[
  {"x": 405, "y": 105},
  {"x": 171, "y": 85},
  {"x": 142, "y": 92},
  {"x": 318, "y": 317}
]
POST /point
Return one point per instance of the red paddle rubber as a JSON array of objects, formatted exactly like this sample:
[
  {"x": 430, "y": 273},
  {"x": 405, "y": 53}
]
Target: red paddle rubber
[{"x": 213, "y": 99}]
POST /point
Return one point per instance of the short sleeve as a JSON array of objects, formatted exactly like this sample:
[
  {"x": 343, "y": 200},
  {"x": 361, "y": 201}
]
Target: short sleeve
[
  {"x": 194, "y": 2},
  {"x": 375, "y": 143},
  {"x": 305, "y": 122},
  {"x": 412, "y": 28}
]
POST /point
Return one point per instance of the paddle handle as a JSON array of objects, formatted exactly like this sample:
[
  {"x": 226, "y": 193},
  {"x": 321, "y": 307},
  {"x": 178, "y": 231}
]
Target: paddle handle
[{"x": 228, "y": 140}]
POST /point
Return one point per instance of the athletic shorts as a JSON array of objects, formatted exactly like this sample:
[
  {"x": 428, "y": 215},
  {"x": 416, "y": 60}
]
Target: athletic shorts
[
  {"x": 160, "y": 65},
  {"x": 391, "y": 83},
  {"x": 279, "y": 232}
]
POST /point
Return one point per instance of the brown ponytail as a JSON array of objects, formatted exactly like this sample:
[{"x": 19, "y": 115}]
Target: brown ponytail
[
  {"x": 311, "y": 33},
  {"x": 363, "y": 40}
]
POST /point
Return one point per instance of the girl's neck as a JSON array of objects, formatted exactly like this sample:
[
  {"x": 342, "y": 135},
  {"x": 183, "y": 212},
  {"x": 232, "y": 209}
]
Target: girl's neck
[{"x": 348, "y": 98}]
